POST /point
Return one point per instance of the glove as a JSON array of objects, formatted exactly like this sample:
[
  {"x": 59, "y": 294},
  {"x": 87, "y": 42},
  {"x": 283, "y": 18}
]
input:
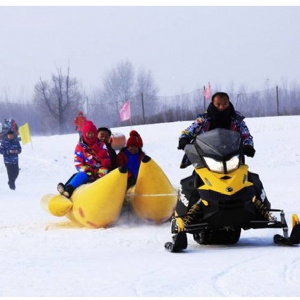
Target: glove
[
  {"x": 248, "y": 150},
  {"x": 182, "y": 143},
  {"x": 86, "y": 169},
  {"x": 102, "y": 172}
]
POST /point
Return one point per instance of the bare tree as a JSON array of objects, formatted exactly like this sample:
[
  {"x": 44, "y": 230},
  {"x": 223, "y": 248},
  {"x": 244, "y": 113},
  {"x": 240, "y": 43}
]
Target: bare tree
[
  {"x": 147, "y": 90},
  {"x": 118, "y": 85},
  {"x": 145, "y": 83},
  {"x": 60, "y": 99}
]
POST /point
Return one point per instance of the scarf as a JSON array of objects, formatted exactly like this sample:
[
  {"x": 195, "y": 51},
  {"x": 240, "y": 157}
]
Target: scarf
[{"x": 220, "y": 119}]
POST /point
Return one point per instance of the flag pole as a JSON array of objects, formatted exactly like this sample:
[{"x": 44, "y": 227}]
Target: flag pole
[
  {"x": 130, "y": 119},
  {"x": 204, "y": 99},
  {"x": 31, "y": 143}
]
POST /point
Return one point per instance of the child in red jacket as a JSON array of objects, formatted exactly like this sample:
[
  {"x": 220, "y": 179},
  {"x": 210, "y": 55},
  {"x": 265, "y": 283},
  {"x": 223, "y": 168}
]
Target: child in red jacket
[{"x": 91, "y": 160}]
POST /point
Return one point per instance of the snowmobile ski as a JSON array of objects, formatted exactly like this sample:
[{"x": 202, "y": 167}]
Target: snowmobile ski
[
  {"x": 170, "y": 246},
  {"x": 179, "y": 243},
  {"x": 294, "y": 238}
]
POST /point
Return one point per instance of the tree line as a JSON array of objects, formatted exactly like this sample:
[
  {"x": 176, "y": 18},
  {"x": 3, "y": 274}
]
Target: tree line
[{"x": 57, "y": 101}]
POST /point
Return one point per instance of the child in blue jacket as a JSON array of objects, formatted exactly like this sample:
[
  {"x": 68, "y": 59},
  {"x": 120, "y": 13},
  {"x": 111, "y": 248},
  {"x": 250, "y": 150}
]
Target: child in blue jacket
[{"x": 10, "y": 148}]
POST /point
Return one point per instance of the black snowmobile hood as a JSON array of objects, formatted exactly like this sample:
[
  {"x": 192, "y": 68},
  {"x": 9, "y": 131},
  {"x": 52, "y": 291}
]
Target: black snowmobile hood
[{"x": 219, "y": 144}]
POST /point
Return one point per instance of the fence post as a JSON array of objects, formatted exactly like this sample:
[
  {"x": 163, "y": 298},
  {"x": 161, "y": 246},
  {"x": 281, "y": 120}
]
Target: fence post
[
  {"x": 237, "y": 100},
  {"x": 204, "y": 99},
  {"x": 277, "y": 100},
  {"x": 143, "y": 109}
]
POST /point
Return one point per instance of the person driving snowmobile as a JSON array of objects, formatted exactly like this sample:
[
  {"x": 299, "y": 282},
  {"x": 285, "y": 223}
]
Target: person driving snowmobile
[{"x": 220, "y": 114}]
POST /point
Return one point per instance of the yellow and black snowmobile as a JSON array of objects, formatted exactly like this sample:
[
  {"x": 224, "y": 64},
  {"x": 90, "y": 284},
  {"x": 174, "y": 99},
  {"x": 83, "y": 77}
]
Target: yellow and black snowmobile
[{"x": 222, "y": 197}]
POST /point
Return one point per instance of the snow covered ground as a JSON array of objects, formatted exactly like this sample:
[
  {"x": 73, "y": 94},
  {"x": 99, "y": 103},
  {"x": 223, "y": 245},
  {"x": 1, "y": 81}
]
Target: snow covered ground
[{"x": 42, "y": 255}]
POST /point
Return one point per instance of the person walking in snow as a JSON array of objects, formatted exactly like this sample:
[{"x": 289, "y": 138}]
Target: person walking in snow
[
  {"x": 91, "y": 160},
  {"x": 10, "y": 148},
  {"x": 79, "y": 122},
  {"x": 131, "y": 157}
]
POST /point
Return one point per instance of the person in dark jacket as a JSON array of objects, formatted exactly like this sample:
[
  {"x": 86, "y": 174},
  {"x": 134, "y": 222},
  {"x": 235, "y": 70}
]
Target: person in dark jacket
[
  {"x": 131, "y": 157},
  {"x": 220, "y": 114},
  {"x": 104, "y": 135},
  {"x": 10, "y": 148}
]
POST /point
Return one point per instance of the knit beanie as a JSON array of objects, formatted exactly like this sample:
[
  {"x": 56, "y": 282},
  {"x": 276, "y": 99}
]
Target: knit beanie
[
  {"x": 89, "y": 127},
  {"x": 134, "y": 140}
]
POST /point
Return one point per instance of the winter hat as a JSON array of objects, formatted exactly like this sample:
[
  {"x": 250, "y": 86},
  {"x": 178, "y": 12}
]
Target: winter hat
[
  {"x": 134, "y": 140},
  {"x": 10, "y": 132},
  {"x": 89, "y": 127}
]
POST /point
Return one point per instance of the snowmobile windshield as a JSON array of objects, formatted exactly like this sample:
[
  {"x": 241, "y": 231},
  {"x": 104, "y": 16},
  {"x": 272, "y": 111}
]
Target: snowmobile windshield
[{"x": 218, "y": 149}]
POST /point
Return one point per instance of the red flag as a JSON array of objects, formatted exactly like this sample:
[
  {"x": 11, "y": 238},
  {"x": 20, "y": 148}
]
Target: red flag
[
  {"x": 207, "y": 92},
  {"x": 125, "y": 111}
]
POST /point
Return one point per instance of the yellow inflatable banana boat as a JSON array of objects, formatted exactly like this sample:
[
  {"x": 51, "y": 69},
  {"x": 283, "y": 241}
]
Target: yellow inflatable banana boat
[
  {"x": 99, "y": 204},
  {"x": 95, "y": 205},
  {"x": 153, "y": 198}
]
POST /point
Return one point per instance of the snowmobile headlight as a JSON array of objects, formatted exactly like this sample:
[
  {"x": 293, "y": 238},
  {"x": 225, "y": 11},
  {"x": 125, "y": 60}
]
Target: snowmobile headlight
[
  {"x": 233, "y": 163},
  {"x": 222, "y": 167},
  {"x": 214, "y": 165}
]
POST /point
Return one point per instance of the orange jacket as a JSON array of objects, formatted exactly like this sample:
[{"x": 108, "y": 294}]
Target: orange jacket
[{"x": 79, "y": 122}]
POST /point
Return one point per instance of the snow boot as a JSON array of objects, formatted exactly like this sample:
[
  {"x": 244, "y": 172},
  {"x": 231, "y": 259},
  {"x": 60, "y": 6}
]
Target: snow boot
[
  {"x": 68, "y": 191},
  {"x": 11, "y": 185},
  {"x": 61, "y": 188}
]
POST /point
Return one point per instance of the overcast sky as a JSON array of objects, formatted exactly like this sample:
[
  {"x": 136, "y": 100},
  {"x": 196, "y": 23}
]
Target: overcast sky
[{"x": 184, "y": 47}]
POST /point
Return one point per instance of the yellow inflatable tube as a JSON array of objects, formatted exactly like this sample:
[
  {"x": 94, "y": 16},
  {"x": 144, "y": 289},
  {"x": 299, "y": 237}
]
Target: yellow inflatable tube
[
  {"x": 95, "y": 205},
  {"x": 153, "y": 198},
  {"x": 56, "y": 205}
]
